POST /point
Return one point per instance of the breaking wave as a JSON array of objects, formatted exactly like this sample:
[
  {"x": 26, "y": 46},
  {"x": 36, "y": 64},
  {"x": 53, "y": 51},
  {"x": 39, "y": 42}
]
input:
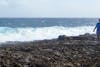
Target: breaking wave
[{"x": 31, "y": 34}]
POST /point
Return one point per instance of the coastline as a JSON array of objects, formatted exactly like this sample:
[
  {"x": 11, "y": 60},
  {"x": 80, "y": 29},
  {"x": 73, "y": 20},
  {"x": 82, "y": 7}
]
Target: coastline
[{"x": 65, "y": 51}]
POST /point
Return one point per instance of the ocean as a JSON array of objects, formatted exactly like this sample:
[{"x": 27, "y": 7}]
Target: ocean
[{"x": 31, "y": 29}]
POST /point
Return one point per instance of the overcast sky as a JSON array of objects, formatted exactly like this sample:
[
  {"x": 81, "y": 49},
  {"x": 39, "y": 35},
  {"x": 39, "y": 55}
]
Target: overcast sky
[{"x": 49, "y": 8}]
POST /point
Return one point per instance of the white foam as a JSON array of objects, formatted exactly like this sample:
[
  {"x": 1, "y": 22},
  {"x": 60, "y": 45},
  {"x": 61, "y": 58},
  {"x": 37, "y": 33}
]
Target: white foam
[{"x": 30, "y": 34}]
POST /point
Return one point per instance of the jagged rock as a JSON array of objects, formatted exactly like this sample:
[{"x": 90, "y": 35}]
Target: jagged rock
[
  {"x": 62, "y": 37},
  {"x": 73, "y": 51}
]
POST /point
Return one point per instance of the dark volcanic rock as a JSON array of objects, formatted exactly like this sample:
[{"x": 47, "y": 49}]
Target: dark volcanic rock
[
  {"x": 74, "y": 51},
  {"x": 62, "y": 37}
]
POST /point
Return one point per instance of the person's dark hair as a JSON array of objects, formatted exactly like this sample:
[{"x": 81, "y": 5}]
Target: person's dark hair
[{"x": 98, "y": 19}]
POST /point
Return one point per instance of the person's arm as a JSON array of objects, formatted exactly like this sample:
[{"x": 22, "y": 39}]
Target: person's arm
[{"x": 94, "y": 29}]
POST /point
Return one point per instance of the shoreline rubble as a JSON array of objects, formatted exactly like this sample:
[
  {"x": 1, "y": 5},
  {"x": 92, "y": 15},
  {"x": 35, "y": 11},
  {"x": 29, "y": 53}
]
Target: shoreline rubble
[{"x": 73, "y": 51}]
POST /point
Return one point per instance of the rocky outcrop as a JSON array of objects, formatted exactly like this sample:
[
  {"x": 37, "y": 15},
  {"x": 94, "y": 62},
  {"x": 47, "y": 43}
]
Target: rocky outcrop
[{"x": 73, "y": 51}]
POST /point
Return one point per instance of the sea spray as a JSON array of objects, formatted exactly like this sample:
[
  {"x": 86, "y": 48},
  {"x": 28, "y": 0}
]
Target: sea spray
[{"x": 40, "y": 33}]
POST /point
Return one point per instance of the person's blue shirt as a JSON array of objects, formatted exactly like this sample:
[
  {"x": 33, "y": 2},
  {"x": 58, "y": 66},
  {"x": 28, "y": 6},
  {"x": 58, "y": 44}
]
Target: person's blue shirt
[{"x": 98, "y": 26}]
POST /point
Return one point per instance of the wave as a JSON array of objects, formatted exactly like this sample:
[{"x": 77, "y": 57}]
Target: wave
[{"x": 31, "y": 34}]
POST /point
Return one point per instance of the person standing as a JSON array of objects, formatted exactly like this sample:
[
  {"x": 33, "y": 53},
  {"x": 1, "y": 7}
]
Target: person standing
[{"x": 97, "y": 28}]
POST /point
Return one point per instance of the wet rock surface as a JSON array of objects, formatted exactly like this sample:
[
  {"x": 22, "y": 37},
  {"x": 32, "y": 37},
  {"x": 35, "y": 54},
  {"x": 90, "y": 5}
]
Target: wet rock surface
[{"x": 74, "y": 51}]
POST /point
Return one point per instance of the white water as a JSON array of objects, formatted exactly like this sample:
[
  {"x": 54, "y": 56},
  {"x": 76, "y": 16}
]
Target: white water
[{"x": 31, "y": 34}]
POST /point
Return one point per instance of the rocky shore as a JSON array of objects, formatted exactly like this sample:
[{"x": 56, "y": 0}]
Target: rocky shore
[{"x": 73, "y": 51}]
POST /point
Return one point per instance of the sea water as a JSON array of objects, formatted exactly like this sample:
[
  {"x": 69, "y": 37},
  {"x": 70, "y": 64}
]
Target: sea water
[{"x": 30, "y": 29}]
